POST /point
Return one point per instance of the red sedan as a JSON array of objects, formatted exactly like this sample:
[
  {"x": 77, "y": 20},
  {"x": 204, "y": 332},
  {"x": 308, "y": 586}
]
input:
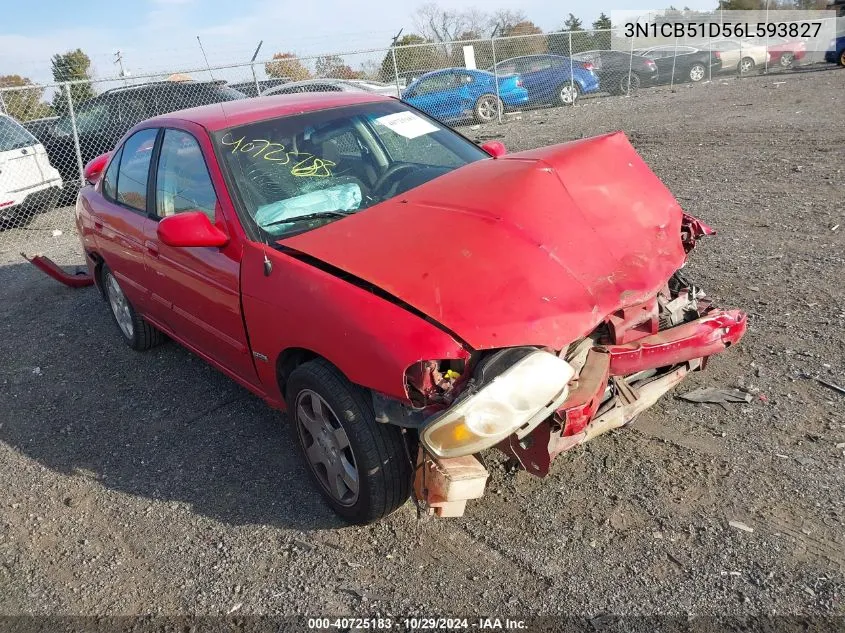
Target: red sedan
[
  {"x": 410, "y": 298},
  {"x": 785, "y": 53}
]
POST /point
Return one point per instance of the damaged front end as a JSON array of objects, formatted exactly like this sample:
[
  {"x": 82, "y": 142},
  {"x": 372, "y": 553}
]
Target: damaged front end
[{"x": 612, "y": 375}]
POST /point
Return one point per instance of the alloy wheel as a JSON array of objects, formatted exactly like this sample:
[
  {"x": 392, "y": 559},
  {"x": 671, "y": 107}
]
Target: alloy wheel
[
  {"x": 327, "y": 447},
  {"x": 119, "y": 306},
  {"x": 696, "y": 73}
]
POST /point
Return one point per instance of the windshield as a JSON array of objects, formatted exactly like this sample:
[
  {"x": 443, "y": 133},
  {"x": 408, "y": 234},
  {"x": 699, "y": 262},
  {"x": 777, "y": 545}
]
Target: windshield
[
  {"x": 296, "y": 173},
  {"x": 14, "y": 136}
]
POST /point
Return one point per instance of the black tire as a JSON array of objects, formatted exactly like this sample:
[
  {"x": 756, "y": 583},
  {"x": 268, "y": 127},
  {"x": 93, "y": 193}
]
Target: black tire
[
  {"x": 485, "y": 110},
  {"x": 141, "y": 336},
  {"x": 379, "y": 455},
  {"x": 697, "y": 72},
  {"x": 565, "y": 96},
  {"x": 623, "y": 84},
  {"x": 842, "y": 58}
]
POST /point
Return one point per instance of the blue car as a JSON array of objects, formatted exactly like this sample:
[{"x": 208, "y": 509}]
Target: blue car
[
  {"x": 457, "y": 94},
  {"x": 835, "y": 53},
  {"x": 551, "y": 79}
]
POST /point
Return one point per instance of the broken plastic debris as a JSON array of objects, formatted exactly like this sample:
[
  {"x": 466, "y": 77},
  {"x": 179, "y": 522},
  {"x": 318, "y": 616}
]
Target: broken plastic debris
[
  {"x": 716, "y": 396},
  {"x": 739, "y": 525},
  {"x": 57, "y": 233}
]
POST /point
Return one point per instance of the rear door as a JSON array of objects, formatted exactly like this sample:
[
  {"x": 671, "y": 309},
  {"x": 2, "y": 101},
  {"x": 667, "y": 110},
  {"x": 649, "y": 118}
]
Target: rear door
[
  {"x": 196, "y": 290},
  {"x": 19, "y": 167},
  {"x": 121, "y": 216}
]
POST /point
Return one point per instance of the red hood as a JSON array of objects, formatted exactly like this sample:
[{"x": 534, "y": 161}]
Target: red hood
[{"x": 534, "y": 248}]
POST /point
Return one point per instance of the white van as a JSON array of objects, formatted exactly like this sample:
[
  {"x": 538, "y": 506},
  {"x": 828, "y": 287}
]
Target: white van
[{"x": 28, "y": 182}]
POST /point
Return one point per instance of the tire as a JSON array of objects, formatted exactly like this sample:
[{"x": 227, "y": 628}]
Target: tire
[
  {"x": 360, "y": 466},
  {"x": 697, "y": 72},
  {"x": 786, "y": 60},
  {"x": 842, "y": 58},
  {"x": 568, "y": 93},
  {"x": 485, "y": 109},
  {"x": 745, "y": 66},
  {"x": 623, "y": 84},
  {"x": 137, "y": 333}
]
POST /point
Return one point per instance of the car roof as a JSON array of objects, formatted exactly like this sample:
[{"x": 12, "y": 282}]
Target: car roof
[{"x": 219, "y": 116}]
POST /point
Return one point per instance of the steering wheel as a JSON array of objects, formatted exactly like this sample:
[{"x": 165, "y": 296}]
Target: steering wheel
[{"x": 389, "y": 174}]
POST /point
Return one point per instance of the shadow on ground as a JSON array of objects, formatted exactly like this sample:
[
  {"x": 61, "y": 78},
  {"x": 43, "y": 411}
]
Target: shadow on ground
[{"x": 161, "y": 424}]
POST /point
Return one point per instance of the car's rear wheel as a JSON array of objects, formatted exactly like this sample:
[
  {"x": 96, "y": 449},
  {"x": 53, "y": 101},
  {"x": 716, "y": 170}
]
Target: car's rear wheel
[
  {"x": 746, "y": 65},
  {"x": 786, "y": 60},
  {"x": 138, "y": 334},
  {"x": 842, "y": 58},
  {"x": 697, "y": 72},
  {"x": 568, "y": 93},
  {"x": 487, "y": 108},
  {"x": 360, "y": 466},
  {"x": 629, "y": 84}
]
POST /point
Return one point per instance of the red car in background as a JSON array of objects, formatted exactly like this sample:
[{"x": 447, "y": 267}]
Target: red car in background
[
  {"x": 410, "y": 298},
  {"x": 785, "y": 53}
]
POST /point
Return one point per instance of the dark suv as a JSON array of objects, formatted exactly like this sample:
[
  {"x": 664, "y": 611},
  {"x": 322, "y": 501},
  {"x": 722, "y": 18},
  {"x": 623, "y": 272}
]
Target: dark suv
[{"x": 103, "y": 120}]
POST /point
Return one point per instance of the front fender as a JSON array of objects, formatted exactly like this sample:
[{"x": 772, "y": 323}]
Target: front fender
[{"x": 301, "y": 305}]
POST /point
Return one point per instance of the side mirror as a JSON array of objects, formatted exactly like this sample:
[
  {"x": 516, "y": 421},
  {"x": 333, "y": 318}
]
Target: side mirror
[
  {"x": 94, "y": 169},
  {"x": 495, "y": 148},
  {"x": 191, "y": 228}
]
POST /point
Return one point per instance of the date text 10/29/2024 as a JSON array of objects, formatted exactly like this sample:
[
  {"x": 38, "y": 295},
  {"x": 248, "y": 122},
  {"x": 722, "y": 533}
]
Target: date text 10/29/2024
[{"x": 417, "y": 624}]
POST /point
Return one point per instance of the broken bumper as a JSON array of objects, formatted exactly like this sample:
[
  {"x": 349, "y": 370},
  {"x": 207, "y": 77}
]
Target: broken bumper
[{"x": 618, "y": 382}]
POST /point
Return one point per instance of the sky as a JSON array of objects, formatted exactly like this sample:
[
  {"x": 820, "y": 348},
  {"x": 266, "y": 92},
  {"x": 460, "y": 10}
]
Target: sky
[{"x": 161, "y": 35}]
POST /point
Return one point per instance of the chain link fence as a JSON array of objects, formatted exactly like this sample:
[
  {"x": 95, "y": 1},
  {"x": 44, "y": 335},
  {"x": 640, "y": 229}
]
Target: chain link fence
[{"x": 48, "y": 133}]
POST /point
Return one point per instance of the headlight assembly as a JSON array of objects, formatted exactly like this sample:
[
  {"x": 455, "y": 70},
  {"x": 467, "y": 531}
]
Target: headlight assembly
[{"x": 516, "y": 400}]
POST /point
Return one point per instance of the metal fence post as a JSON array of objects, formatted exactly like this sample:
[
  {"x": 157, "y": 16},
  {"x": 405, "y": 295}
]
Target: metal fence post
[
  {"x": 3, "y": 109},
  {"x": 396, "y": 71},
  {"x": 710, "y": 60},
  {"x": 496, "y": 80},
  {"x": 75, "y": 135},
  {"x": 571, "y": 71},
  {"x": 674, "y": 59},
  {"x": 630, "y": 65}
]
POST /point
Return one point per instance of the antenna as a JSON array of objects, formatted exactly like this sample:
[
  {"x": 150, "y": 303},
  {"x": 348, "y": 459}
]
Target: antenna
[
  {"x": 206, "y": 58},
  {"x": 252, "y": 65},
  {"x": 396, "y": 37},
  {"x": 118, "y": 59}
]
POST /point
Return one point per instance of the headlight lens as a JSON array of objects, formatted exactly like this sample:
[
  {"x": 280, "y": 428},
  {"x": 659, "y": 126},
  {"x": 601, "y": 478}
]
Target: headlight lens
[{"x": 518, "y": 399}]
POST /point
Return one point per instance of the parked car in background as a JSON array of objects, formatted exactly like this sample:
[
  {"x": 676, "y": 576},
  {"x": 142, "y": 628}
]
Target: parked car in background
[
  {"x": 104, "y": 119},
  {"x": 835, "y": 53},
  {"x": 551, "y": 79},
  {"x": 682, "y": 63},
  {"x": 783, "y": 52},
  {"x": 618, "y": 71},
  {"x": 457, "y": 94},
  {"x": 28, "y": 182},
  {"x": 333, "y": 85},
  {"x": 411, "y": 299},
  {"x": 251, "y": 90},
  {"x": 739, "y": 56}
]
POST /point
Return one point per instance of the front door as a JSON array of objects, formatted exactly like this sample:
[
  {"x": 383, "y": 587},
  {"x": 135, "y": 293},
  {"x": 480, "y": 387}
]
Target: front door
[{"x": 196, "y": 290}]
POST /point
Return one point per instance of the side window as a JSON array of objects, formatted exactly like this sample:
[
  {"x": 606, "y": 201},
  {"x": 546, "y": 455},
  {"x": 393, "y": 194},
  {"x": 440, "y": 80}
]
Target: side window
[
  {"x": 507, "y": 68},
  {"x": 110, "y": 178},
  {"x": 182, "y": 180},
  {"x": 135, "y": 169}
]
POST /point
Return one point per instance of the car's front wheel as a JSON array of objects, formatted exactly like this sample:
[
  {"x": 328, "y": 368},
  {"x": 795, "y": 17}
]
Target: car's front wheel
[
  {"x": 786, "y": 60},
  {"x": 487, "y": 108},
  {"x": 362, "y": 467},
  {"x": 138, "y": 334}
]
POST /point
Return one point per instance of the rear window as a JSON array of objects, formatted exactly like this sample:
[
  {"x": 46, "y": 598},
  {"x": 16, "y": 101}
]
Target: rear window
[{"x": 14, "y": 136}]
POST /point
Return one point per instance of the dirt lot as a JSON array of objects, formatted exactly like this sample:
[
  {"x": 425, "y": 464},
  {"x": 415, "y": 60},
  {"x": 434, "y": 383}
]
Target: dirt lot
[{"x": 149, "y": 483}]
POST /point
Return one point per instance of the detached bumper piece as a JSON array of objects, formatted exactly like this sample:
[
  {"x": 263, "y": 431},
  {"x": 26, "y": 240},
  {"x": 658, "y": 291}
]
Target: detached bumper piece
[
  {"x": 49, "y": 267},
  {"x": 618, "y": 382}
]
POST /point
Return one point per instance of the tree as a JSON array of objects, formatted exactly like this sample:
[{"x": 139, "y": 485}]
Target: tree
[
  {"x": 287, "y": 66},
  {"x": 572, "y": 24},
  {"x": 411, "y": 56},
  {"x": 23, "y": 105},
  {"x": 524, "y": 38},
  {"x": 71, "y": 66},
  {"x": 602, "y": 23},
  {"x": 445, "y": 25},
  {"x": 333, "y": 66}
]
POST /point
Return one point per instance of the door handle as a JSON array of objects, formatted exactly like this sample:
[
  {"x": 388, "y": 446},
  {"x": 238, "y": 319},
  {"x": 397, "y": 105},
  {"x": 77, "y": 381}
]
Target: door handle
[{"x": 152, "y": 248}]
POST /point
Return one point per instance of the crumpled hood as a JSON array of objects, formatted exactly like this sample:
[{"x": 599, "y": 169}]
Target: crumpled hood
[{"x": 534, "y": 248}]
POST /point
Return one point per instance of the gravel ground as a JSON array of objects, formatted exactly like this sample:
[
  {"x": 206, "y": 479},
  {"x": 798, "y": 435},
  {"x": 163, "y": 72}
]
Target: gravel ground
[{"x": 150, "y": 483}]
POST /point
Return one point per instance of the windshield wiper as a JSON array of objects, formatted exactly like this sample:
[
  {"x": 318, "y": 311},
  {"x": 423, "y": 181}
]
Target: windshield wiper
[{"x": 311, "y": 216}]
